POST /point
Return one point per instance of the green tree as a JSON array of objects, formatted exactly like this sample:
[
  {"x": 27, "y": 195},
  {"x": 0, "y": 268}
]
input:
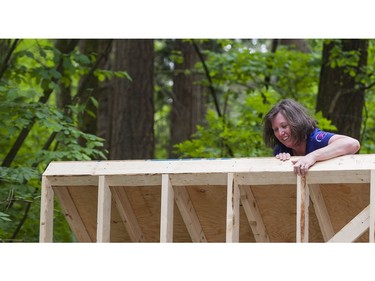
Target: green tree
[
  {"x": 341, "y": 93},
  {"x": 34, "y": 131}
]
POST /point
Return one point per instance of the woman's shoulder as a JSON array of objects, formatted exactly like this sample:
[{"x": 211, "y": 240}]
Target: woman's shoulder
[{"x": 319, "y": 135}]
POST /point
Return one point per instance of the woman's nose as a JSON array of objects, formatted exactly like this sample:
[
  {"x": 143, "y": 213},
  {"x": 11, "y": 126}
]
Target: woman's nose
[{"x": 281, "y": 131}]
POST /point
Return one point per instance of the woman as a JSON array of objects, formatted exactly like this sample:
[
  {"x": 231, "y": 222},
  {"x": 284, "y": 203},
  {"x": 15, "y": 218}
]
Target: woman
[{"x": 291, "y": 131}]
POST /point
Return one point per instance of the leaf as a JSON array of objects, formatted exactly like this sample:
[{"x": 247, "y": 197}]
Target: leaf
[
  {"x": 4, "y": 217},
  {"x": 82, "y": 59}
]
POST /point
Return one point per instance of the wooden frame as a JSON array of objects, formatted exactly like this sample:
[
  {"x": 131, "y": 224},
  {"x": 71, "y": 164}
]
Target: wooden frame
[{"x": 179, "y": 182}]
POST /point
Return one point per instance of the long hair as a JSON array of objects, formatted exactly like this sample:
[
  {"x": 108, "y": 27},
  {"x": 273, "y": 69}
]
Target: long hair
[{"x": 300, "y": 122}]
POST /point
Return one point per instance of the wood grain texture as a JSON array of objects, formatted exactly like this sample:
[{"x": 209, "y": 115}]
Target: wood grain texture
[{"x": 272, "y": 183}]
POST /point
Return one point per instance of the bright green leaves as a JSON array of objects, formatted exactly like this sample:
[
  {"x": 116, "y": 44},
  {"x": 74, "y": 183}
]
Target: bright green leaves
[
  {"x": 39, "y": 70},
  {"x": 18, "y": 175},
  {"x": 237, "y": 136},
  {"x": 323, "y": 123},
  {"x": 248, "y": 79},
  {"x": 4, "y": 217}
]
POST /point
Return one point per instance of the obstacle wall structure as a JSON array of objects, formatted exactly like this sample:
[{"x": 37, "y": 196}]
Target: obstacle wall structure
[{"x": 212, "y": 200}]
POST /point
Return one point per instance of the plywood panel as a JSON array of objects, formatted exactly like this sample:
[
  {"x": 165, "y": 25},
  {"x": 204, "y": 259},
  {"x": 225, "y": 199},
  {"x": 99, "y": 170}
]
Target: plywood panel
[
  {"x": 277, "y": 205},
  {"x": 85, "y": 199},
  {"x": 344, "y": 202}
]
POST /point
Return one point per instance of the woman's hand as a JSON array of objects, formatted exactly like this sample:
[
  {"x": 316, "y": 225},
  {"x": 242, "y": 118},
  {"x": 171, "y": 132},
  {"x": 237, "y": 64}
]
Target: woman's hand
[
  {"x": 283, "y": 156},
  {"x": 302, "y": 165}
]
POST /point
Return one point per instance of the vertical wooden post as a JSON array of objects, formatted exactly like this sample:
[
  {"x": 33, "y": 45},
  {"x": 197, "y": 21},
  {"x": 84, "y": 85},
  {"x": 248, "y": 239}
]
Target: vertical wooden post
[
  {"x": 103, "y": 225},
  {"x": 167, "y": 205},
  {"x": 46, "y": 212},
  {"x": 233, "y": 209},
  {"x": 372, "y": 207},
  {"x": 302, "y": 234}
]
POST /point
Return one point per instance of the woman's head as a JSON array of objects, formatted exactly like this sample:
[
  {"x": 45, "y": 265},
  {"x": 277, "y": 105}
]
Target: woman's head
[{"x": 290, "y": 116}]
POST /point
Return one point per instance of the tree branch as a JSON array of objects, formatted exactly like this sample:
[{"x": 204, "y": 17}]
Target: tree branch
[
  {"x": 213, "y": 92},
  {"x": 5, "y": 63},
  {"x": 208, "y": 76},
  {"x": 95, "y": 66},
  {"x": 25, "y": 131}
]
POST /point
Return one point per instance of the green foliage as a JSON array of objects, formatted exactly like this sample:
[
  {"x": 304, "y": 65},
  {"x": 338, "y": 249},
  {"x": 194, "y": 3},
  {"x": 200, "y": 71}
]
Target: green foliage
[
  {"x": 242, "y": 134},
  {"x": 52, "y": 134},
  {"x": 323, "y": 123},
  {"x": 4, "y": 217},
  {"x": 249, "y": 79}
]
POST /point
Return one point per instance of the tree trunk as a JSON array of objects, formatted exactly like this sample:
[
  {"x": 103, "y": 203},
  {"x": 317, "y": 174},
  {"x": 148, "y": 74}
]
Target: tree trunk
[
  {"x": 132, "y": 105},
  {"x": 339, "y": 97},
  {"x": 4, "y": 49},
  {"x": 189, "y": 102}
]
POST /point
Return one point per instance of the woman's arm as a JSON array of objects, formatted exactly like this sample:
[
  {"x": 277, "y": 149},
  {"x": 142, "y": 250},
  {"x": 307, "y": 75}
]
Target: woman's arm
[{"x": 338, "y": 145}]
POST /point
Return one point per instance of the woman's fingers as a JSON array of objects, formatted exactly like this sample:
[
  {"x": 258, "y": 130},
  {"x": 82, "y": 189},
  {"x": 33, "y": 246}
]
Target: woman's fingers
[
  {"x": 301, "y": 168},
  {"x": 283, "y": 156}
]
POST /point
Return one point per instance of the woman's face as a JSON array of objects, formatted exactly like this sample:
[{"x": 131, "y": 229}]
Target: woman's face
[{"x": 281, "y": 129}]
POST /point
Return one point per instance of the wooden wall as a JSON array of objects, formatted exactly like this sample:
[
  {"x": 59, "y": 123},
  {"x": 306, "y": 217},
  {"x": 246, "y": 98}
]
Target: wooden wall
[{"x": 200, "y": 209}]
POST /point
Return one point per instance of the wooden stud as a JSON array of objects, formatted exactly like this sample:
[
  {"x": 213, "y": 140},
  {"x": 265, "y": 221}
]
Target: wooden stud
[
  {"x": 321, "y": 212},
  {"x": 354, "y": 229},
  {"x": 46, "y": 212},
  {"x": 167, "y": 205},
  {"x": 332, "y": 176},
  {"x": 188, "y": 214},
  {"x": 233, "y": 210},
  {"x": 72, "y": 215},
  {"x": 127, "y": 214},
  {"x": 253, "y": 214},
  {"x": 104, "y": 211},
  {"x": 134, "y": 180},
  {"x": 266, "y": 177},
  {"x": 73, "y": 180},
  {"x": 302, "y": 234},
  {"x": 372, "y": 207},
  {"x": 358, "y": 166}
]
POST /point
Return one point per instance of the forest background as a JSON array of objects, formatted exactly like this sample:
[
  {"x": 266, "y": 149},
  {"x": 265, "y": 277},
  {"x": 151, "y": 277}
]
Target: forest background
[{"x": 95, "y": 99}]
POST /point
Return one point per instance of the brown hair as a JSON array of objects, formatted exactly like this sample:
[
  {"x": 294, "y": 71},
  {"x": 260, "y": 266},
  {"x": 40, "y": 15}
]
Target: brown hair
[{"x": 300, "y": 122}]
